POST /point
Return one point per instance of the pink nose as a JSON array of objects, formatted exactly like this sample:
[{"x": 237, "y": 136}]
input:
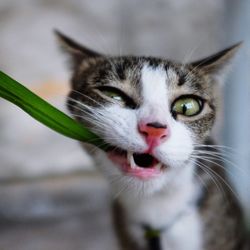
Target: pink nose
[{"x": 155, "y": 133}]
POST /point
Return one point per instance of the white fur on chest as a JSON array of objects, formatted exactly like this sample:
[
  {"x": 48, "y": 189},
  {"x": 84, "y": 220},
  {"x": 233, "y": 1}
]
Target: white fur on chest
[
  {"x": 159, "y": 209},
  {"x": 170, "y": 212},
  {"x": 185, "y": 234}
]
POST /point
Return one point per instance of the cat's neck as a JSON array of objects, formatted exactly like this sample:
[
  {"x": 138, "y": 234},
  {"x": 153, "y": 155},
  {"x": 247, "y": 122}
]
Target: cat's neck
[{"x": 160, "y": 208}]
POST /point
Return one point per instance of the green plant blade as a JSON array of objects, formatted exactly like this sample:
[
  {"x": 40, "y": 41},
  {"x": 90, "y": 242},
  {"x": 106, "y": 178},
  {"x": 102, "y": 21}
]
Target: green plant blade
[{"x": 44, "y": 112}]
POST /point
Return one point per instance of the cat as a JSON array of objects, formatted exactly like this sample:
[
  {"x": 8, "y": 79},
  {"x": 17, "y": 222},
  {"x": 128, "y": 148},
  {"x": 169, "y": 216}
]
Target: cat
[{"x": 165, "y": 172}]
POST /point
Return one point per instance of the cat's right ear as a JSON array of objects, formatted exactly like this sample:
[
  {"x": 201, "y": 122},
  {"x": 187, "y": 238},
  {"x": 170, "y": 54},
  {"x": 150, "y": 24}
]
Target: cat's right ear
[
  {"x": 76, "y": 51},
  {"x": 218, "y": 64}
]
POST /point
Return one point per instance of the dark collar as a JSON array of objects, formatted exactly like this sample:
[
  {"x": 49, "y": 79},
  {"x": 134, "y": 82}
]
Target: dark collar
[{"x": 152, "y": 237}]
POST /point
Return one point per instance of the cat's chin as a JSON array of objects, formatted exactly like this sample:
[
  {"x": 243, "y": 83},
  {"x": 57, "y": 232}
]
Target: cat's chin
[{"x": 142, "y": 166}]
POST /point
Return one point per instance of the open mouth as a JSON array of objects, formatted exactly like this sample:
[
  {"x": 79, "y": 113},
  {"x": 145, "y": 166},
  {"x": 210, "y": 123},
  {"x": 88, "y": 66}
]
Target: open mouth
[
  {"x": 143, "y": 166},
  {"x": 142, "y": 160}
]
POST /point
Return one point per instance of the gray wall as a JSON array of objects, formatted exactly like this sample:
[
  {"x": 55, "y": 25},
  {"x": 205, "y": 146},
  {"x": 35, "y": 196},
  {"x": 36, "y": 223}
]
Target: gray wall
[{"x": 237, "y": 95}]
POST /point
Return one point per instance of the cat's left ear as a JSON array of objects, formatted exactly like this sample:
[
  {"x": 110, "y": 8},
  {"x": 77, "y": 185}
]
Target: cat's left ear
[
  {"x": 76, "y": 51},
  {"x": 217, "y": 64}
]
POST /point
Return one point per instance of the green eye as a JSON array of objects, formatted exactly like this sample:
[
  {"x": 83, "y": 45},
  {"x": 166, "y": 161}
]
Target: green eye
[
  {"x": 118, "y": 96},
  {"x": 187, "y": 106},
  {"x": 113, "y": 95}
]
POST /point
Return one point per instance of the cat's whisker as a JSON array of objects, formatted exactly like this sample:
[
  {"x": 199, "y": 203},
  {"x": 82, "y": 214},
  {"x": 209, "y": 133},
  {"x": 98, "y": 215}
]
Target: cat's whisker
[
  {"x": 114, "y": 178},
  {"x": 213, "y": 161},
  {"x": 113, "y": 71},
  {"x": 101, "y": 119},
  {"x": 90, "y": 120},
  {"x": 88, "y": 97},
  {"x": 124, "y": 187},
  {"x": 214, "y": 177},
  {"x": 218, "y": 149},
  {"x": 197, "y": 67},
  {"x": 219, "y": 155},
  {"x": 199, "y": 178},
  {"x": 89, "y": 112},
  {"x": 190, "y": 53},
  {"x": 221, "y": 147},
  {"x": 223, "y": 180},
  {"x": 222, "y": 158}
]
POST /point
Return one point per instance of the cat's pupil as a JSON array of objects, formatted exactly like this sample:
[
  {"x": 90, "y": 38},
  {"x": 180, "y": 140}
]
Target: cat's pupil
[
  {"x": 188, "y": 106},
  {"x": 184, "y": 108}
]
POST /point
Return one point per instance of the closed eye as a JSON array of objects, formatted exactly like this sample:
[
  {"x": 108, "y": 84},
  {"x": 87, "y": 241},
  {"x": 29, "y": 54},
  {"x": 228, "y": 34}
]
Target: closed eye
[{"x": 118, "y": 95}]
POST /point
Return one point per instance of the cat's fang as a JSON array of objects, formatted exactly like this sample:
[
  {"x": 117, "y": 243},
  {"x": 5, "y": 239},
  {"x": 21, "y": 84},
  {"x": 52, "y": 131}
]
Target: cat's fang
[
  {"x": 129, "y": 154},
  {"x": 130, "y": 159},
  {"x": 158, "y": 166}
]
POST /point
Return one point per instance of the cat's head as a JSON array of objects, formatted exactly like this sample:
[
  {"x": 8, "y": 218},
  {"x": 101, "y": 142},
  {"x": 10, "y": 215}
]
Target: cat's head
[{"x": 152, "y": 111}]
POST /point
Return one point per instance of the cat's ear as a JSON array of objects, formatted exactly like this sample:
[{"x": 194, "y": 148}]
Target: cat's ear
[
  {"x": 219, "y": 63},
  {"x": 76, "y": 51}
]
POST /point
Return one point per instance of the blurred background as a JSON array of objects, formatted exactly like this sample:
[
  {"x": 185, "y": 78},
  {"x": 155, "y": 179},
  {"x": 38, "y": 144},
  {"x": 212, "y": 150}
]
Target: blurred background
[{"x": 50, "y": 195}]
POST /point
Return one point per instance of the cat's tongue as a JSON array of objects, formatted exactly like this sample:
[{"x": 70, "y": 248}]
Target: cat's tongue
[
  {"x": 141, "y": 173},
  {"x": 142, "y": 166}
]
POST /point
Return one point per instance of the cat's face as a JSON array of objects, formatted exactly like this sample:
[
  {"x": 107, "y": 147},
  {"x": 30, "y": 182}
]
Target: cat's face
[{"x": 152, "y": 112}]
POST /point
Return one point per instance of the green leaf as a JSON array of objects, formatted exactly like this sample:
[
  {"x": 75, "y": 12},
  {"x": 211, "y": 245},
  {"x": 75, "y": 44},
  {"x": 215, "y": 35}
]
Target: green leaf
[{"x": 44, "y": 112}]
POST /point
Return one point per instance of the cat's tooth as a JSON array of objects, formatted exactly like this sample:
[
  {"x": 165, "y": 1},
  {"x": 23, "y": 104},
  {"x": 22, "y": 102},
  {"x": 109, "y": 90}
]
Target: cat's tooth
[
  {"x": 132, "y": 162},
  {"x": 158, "y": 166},
  {"x": 130, "y": 159},
  {"x": 129, "y": 155}
]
